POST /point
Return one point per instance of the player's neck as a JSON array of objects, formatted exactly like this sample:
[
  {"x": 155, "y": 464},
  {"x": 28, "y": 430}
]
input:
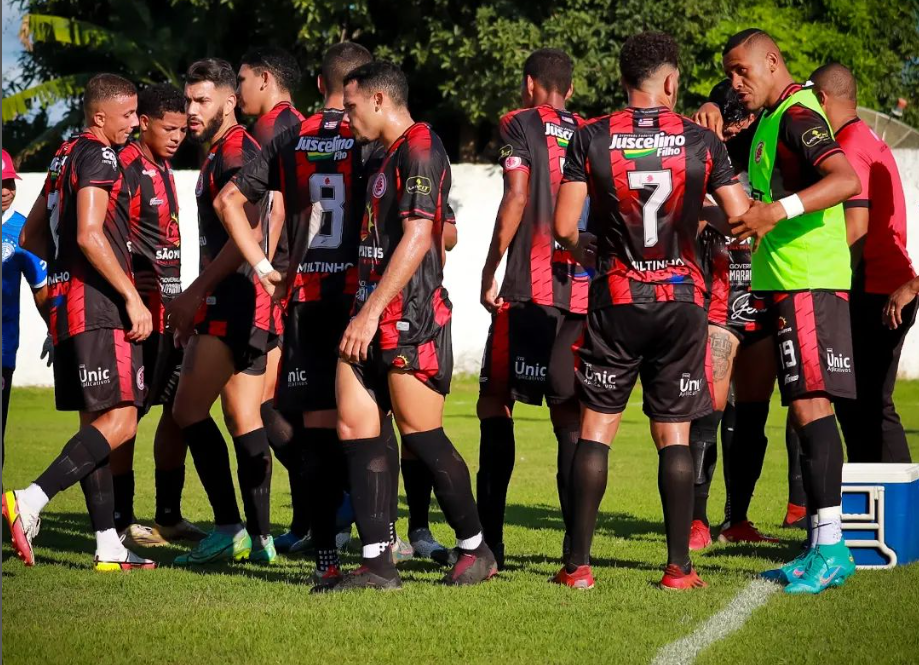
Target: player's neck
[
  {"x": 554, "y": 99},
  {"x": 97, "y": 132},
  {"x": 642, "y": 99},
  {"x": 397, "y": 123},
  {"x": 228, "y": 123},
  {"x": 334, "y": 100},
  {"x": 839, "y": 115},
  {"x": 781, "y": 84},
  {"x": 272, "y": 100},
  {"x": 146, "y": 152}
]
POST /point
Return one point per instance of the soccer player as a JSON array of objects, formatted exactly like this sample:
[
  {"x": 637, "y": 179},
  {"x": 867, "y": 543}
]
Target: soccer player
[
  {"x": 876, "y": 225},
  {"x": 97, "y": 319},
  {"x": 263, "y": 85},
  {"x": 17, "y": 263},
  {"x": 230, "y": 312},
  {"x": 800, "y": 177},
  {"x": 396, "y": 351},
  {"x": 539, "y": 311},
  {"x": 148, "y": 205},
  {"x": 316, "y": 168},
  {"x": 646, "y": 170}
]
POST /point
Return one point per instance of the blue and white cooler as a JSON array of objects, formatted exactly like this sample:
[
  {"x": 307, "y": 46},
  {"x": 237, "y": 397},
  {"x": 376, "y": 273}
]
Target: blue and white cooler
[{"x": 880, "y": 513}]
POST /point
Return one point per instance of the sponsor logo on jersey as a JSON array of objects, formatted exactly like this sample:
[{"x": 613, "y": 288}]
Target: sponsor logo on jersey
[
  {"x": 739, "y": 274},
  {"x": 109, "y": 158},
  {"x": 814, "y": 136},
  {"x": 403, "y": 326},
  {"x": 506, "y": 151},
  {"x": 758, "y": 153},
  {"x": 168, "y": 254},
  {"x": 838, "y": 362},
  {"x": 741, "y": 310},
  {"x": 150, "y": 173},
  {"x": 59, "y": 277},
  {"x": 56, "y": 166},
  {"x": 379, "y": 185},
  {"x": 90, "y": 378},
  {"x": 529, "y": 371},
  {"x": 561, "y": 134},
  {"x": 319, "y": 149},
  {"x": 689, "y": 386},
  {"x": 599, "y": 379},
  {"x": 636, "y": 146},
  {"x": 326, "y": 267},
  {"x": 418, "y": 185},
  {"x": 156, "y": 201},
  {"x": 8, "y": 250},
  {"x": 170, "y": 286},
  {"x": 296, "y": 378}
]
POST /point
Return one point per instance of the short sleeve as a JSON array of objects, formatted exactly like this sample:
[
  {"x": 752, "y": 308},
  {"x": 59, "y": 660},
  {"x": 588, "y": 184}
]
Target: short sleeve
[
  {"x": 449, "y": 215},
  {"x": 97, "y": 166},
  {"x": 515, "y": 154},
  {"x": 422, "y": 173},
  {"x": 807, "y": 134},
  {"x": 234, "y": 156},
  {"x": 861, "y": 163},
  {"x": 722, "y": 174},
  {"x": 262, "y": 173},
  {"x": 576, "y": 156},
  {"x": 33, "y": 269}
]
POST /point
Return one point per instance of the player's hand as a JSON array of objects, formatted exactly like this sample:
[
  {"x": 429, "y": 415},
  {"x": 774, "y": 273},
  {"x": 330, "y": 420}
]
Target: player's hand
[
  {"x": 145, "y": 281},
  {"x": 180, "y": 314},
  {"x": 47, "y": 349},
  {"x": 490, "y": 299},
  {"x": 759, "y": 220},
  {"x": 141, "y": 319},
  {"x": 273, "y": 283},
  {"x": 586, "y": 251},
  {"x": 358, "y": 335},
  {"x": 893, "y": 310},
  {"x": 709, "y": 116}
]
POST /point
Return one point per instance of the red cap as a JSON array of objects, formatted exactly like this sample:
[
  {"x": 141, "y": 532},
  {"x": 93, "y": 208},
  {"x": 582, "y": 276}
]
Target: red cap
[{"x": 9, "y": 171}]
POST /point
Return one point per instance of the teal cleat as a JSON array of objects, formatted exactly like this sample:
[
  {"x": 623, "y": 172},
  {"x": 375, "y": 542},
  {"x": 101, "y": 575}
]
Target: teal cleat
[
  {"x": 829, "y": 566},
  {"x": 265, "y": 554},
  {"x": 792, "y": 570},
  {"x": 218, "y": 547}
]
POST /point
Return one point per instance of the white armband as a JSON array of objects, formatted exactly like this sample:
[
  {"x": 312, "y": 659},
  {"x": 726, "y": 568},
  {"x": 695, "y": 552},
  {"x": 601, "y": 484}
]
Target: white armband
[
  {"x": 264, "y": 268},
  {"x": 793, "y": 206}
]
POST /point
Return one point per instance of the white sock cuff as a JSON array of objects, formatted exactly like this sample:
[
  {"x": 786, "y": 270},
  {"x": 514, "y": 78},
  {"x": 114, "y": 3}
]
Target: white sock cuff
[
  {"x": 33, "y": 497},
  {"x": 109, "y": 545},
  {"x": 373, "y": 550},
  {"x": 469, "y": 543},
  {"x": 831, "y": 514}
]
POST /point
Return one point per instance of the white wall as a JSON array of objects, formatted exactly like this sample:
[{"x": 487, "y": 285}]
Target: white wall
[{"x": 475, "y": 197}]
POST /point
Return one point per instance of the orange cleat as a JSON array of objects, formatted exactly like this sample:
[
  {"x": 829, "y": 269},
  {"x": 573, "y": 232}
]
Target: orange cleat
[
  {"x": 744, "y": 532},
  {"x": 581, "y": 578},
  {"x": 700, "y": 536},
  {"x": 675, "y": 579}
]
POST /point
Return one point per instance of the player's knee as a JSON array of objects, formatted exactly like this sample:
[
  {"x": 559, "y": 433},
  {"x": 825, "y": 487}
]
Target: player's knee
[
  {"x": 706, "y": 427},
  {"x": 566, "y": 414},
  {"x": 492, "y": 407}
]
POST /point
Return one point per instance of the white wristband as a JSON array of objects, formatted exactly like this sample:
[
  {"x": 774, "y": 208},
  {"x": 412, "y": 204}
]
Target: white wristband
[
  {"x": 793, "y": 206},
  {"x": 264, "y": 267}
]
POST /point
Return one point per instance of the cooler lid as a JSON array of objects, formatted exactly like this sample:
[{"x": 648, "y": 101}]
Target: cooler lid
[{"x": 880, "y": 473}]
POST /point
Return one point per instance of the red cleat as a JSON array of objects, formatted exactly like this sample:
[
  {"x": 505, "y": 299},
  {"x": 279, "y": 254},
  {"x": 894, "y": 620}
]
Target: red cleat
[
  {"x": 700, "y": 536},
  {"x": 22, "y": 528},
  {"x": 581, "y": 578},
  {"x": 676, "y": 580},
  {"x": 795, "y": 517},
  {"x": 744, "y": 532}
]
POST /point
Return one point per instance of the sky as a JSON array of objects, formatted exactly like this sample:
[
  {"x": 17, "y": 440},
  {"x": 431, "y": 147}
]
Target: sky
[{"x": 12, "y": 17}]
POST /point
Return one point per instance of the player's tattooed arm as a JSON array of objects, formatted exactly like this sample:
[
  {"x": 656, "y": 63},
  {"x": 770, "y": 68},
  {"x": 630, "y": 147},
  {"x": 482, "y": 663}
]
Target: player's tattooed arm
[
  {"x": 510, "y": 214},
  {"x": 416, "y": 242},
  {"x": 721, "y": 343}
]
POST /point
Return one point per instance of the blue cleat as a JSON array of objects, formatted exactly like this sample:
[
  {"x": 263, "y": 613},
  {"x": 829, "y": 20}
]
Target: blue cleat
[{"x": 829, "y": 566}]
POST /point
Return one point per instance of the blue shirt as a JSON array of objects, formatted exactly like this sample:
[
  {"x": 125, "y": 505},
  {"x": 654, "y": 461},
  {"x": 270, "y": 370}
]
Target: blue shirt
[{"x": 17, "y": 263}]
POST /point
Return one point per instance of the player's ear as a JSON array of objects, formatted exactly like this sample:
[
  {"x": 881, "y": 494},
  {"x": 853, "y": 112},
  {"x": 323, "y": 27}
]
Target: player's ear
[
  {"x": 377, "y": 101},
  {"x": 230, "y": 105},
  {"x": 143, "y": 122},
  {"x": 821, "y": 97},
  {"x": 530, "y": 85},
  {"x": 772, "y": 61},
  {"x": 320, "y": 83},
  {"x": 570, "y": 92},
  {"x": 265, "y": 76}
]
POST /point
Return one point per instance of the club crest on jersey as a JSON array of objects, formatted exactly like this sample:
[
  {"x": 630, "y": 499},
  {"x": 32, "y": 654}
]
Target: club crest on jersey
[
  {"x": 562, "y": 134},
  {"x": 418, "y": 185},
  {"x": 173, "y": 235},
  {"x": 139, "y": 378},
  {"x": 199, "y": 187},
  {"x": 636, "y": 146},
  {"x": 512, "y": 163},
  {"x": 379, "y": 185},
  {"x": 758, "y": 153},
  {"x": 8, "y": 250},
  {"x": 320, "y": 149}
]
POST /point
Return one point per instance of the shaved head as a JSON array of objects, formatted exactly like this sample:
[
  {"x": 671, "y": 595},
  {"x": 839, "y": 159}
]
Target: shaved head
[
  {"x": 835, "y": 80},
  {"x": 756, "y": 69}
]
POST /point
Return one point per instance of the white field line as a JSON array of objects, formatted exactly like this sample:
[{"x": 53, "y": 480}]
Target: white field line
[{"x": 685, "y": 650}]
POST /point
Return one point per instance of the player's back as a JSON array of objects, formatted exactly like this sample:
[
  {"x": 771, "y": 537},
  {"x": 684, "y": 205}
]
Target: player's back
[
  {"x": 278, "y": 120},
  {"x": 535, "y": 140},
  {"x": 647, "y": 171}
]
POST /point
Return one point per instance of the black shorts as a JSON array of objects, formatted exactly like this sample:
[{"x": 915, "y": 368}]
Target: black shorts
[
  {"x": 162, "y": 366},
  {"x": 665, "y": 343},
  {"x": 309, "y": 356},
  {"x": 431, "y": 362},
  {"x": 239, "y": 312},
  {"x": 528, "y": 354},
  {"x": 813, "y": 343},
  {"x": 97, "y": 370}
]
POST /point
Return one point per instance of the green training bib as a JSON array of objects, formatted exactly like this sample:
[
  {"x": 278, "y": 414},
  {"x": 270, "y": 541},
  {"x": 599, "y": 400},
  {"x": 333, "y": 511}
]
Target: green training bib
[{"x": 809, "y": 251}]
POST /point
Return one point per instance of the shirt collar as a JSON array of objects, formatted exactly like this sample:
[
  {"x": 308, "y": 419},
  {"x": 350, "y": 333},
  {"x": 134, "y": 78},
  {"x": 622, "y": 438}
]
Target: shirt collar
[{"x": 9, "y": 213}]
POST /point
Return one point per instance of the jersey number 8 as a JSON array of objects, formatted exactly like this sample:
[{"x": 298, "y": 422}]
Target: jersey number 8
[{"x": 327, "y": 220}]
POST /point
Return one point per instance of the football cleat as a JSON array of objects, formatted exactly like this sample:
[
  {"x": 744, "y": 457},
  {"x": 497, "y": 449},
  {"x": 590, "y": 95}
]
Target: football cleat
[
  {"x": 266, "y": 554},
  {"x": 138, "y": 535},
  {"x": 472, "y": 567},
  {"x": 700, "y": 536},
  {"x": 183, "y": 531},
  {"x": 217, "y": 547},
  {"x": 426, "y": 546},
  {"x": 129, "y": 562},
  {"x": 362, "y": 578},
  {"x": 286, "y": 540},
  {"x": 675, "y": 579},
  {"x": 328, "y": 577},
  {"x": 401, "y": 550},
  {"x": 829, "y": 566},
  {"x": 744, "y": 532},
  {"x": 795, "y": 517},
  {"x": 581, "y": 578},
  {"x": 792, "y": 570},
  {"x": 24, "y": 526}
]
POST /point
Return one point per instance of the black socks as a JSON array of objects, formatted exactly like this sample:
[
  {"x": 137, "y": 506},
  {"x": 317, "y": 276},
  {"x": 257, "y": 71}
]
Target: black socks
[
  {"x": 285, "y": 440},
  {"x": 703, "y": 444},
  {"x": 589, "y": 471},
  {"x": 212, "y": 462},
  {"x": 821, "y": 462},
  {"x": 100, "y": 497},
  {"x": 169, "y": 485},
  {"x": 79, "y": 457},
  {"x": 419, "y": 484},
  {"x": 253, "y": 469},
  {"x": 496, "y": 464},
  {"x": 746, "y": 459},
  {"x": 322, "y": 478},
  {"x": 675, "y": 484},
  {"x": 371, "y": 485},
  {"x": 796, "y": 493},
  {"x": 123, "y": 486},
  {"x": 567, "y": 438}
]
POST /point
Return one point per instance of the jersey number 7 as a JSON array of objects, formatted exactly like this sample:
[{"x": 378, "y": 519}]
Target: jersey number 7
[{"x": 662, "y": 185}]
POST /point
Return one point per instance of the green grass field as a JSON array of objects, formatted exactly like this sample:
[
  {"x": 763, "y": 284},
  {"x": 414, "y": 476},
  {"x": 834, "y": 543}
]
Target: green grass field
[{"x": 63, "y": 612}]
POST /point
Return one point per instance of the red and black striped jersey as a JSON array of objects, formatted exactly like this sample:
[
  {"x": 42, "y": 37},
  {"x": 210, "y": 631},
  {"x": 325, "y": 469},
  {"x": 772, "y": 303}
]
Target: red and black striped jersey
[
  {"x": 278, "y": 120},
  {"x": 80, "y": 298},
  {"x": 647, "y": 173},
  {"x": 535, "y": 140},
  {"x": 149, "y": 206},
  {"x": 317, "y": 168},
  {"x": 224, "y": 159},
  {"x": 412, "y": 181}
]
